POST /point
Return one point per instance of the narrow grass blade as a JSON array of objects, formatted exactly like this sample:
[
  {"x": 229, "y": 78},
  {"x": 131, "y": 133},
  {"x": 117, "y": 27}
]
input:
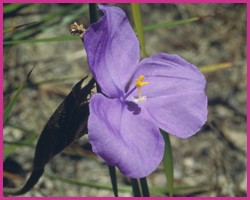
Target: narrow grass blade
[
  {"x": 112, "y": 174},
  {"x": 52, "y": 19},
  {"x": 144, "y": 187},
  {"x": 180, "y": 190},
  {"x": 174, "y": 23},
  {"x": 215, "y": 67},
  {"x": 168, "y": 163},
  {"x": 14, "y": 99},
  {"x": 67, "y": 19},
  {"x": 52, "y": 39},
  {"x": 27, "y": 143},
  {"x": 48, "y": 81},
  {"x": 17, "y": 27},
  {"x": 139, "y": 27},
  {"x": 88, "y": 184},
  {"x": 135, "y": 187}
]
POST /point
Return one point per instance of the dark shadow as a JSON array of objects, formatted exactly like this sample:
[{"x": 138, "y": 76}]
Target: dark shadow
[{"x": 133, "y": 107}]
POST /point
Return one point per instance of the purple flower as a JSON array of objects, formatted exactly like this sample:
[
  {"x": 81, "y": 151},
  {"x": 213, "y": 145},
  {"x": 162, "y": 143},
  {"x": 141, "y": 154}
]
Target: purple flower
[{"x": 138, "y": 97}]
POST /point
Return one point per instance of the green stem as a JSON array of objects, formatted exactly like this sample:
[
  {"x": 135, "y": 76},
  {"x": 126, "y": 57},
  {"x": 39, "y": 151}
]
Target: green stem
[
  {"x": 93, "y": 13},
  {"x": 139, "y": 27},
  {"x": 135, "y": 187},
  {"x": 113, "y": 178},
  {"x": 168, "y": 163},
  {"x": 144, "y": 187}
]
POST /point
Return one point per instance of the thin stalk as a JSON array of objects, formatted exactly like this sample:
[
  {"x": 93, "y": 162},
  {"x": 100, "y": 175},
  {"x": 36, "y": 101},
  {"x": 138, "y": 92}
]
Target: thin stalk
[
  {"x": 112, "y": 174},
  {"x": 135, "y": 187},
  {"x": 144, "y": 187},
  {"x": 168, "y": 163},
  {"x": 139, "y": 27}
]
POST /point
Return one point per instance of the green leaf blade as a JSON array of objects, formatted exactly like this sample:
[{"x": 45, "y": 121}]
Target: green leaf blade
[
  {"x": 112, "y": 174},
  {"x": 135, "y": 187},
  {"x": 144, "y": 187},
  {"x": 168, "y": 163}
]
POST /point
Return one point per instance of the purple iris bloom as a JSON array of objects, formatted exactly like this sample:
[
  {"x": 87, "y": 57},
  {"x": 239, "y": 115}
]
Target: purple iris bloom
[{"x": 138, "y": 97}]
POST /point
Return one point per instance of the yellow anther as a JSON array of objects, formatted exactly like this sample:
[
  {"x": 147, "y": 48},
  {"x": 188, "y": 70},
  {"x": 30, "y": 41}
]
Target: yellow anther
[{"x": 139, "y": 82}]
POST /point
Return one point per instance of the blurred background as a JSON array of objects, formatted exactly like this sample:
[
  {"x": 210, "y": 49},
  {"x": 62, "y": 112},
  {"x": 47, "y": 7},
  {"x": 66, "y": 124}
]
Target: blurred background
[{"x": 211, "y": 36}]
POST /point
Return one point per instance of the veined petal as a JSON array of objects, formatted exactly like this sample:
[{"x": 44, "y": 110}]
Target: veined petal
[
  {"x": 176, "y": 98},
  {"x": 112, "y": 50},
  {"x": 124, "y": 136}
]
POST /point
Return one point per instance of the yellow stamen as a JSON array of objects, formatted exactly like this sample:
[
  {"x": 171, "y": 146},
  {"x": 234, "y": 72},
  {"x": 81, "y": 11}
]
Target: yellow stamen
[{"x": 139, "y": 83}]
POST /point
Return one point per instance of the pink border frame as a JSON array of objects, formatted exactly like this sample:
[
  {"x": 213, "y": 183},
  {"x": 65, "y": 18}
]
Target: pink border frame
[
  {"x": 114, "y": 1},
  {"x": 125, "y": 1}
]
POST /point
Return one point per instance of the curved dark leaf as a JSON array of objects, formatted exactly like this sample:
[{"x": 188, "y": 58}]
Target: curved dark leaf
[{"x": 68, "y": 123}]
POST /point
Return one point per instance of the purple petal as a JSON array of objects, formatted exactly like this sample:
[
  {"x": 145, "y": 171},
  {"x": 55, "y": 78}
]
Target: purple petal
[
  {"x": 113, "y": 50},
  {"x": 124, "y": 136},
  {"x": 176, "y": 97}
]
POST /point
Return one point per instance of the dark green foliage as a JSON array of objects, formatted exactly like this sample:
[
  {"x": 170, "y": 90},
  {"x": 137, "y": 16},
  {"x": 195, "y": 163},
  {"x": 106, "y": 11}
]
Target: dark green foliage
[{"x": 113, "y": 178}]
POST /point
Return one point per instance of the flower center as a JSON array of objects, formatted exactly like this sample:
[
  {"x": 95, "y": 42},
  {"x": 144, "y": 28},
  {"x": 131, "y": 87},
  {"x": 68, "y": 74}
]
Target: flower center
[{"x": 139, "y": 83}]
